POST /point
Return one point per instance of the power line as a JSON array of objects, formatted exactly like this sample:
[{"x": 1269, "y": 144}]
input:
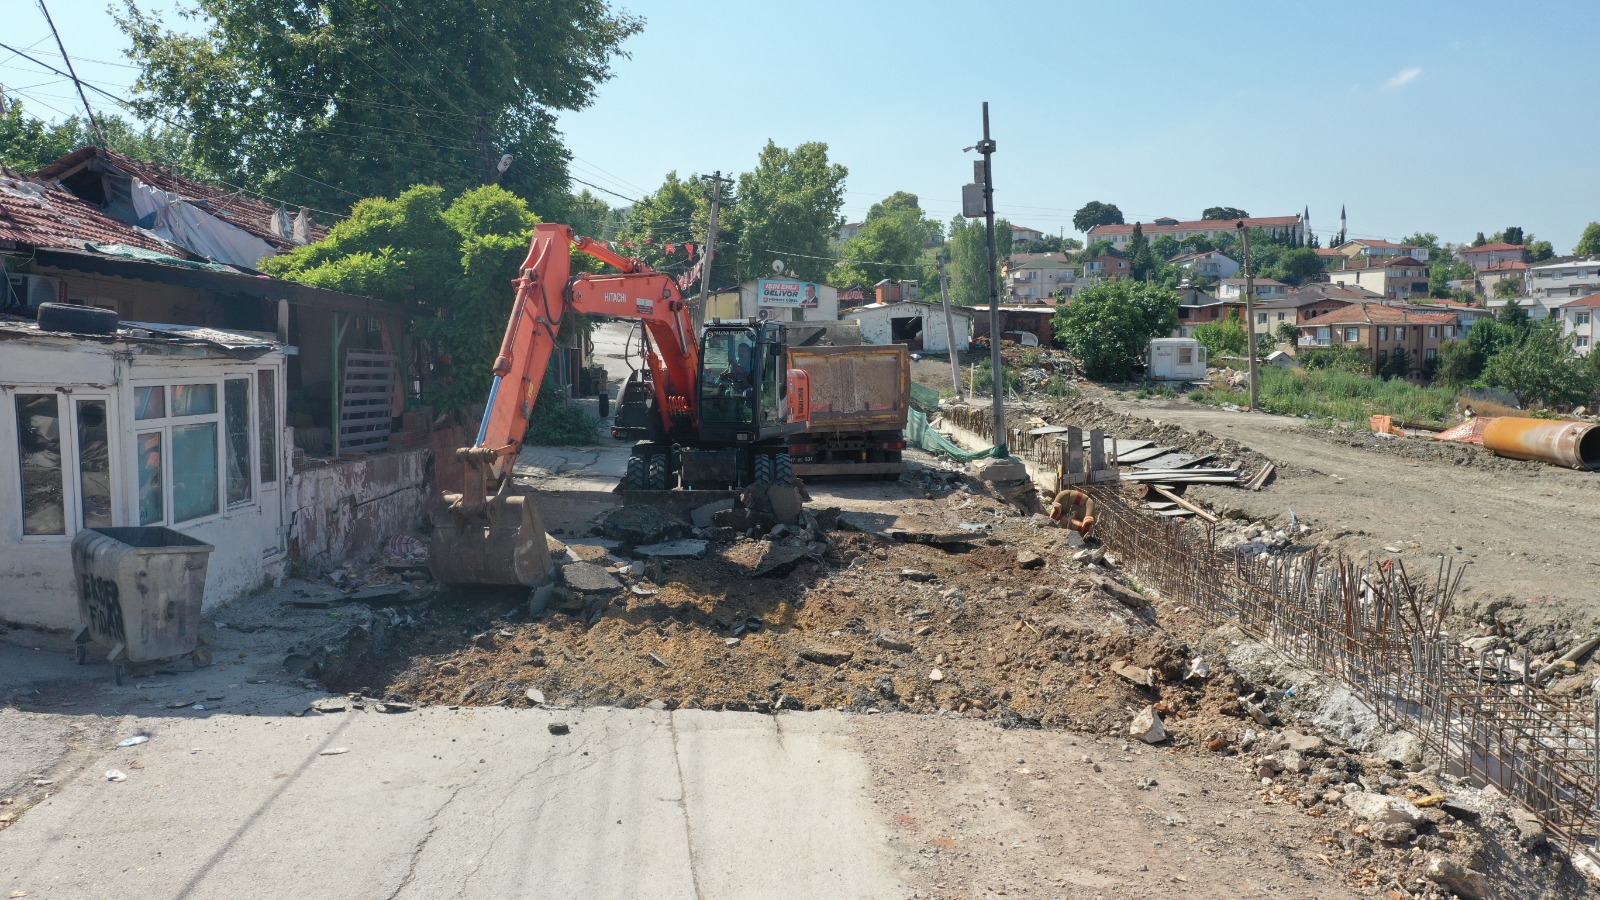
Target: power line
[
  {"x": 841, "y": 259},
  {"x": 94, "y": 123},
  {"x": 571, "y": 177}
]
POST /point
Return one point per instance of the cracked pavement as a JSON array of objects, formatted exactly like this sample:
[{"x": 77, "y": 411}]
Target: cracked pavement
[{"x": 463, "y": 803}]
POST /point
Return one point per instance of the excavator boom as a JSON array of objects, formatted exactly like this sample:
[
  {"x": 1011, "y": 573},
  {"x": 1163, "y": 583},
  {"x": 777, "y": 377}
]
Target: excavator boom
[{"x": 488, "y": 535}]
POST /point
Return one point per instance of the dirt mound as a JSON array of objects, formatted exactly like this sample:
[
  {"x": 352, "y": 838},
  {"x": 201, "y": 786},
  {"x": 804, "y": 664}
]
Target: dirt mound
[
  {"x": 1089, "y": 413},
  {"x": 1430, "y": 450}
]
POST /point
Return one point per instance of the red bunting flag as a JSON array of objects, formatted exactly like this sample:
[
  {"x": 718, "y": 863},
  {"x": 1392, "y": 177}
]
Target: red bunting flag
[
  {"x": 691, "y": 248},
  {"x": 672, "y": 248},
  {"x": 649, "y": 241}
]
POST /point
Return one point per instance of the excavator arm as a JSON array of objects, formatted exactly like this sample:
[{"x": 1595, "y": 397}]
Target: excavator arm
[{"x": 487, "y": 534}]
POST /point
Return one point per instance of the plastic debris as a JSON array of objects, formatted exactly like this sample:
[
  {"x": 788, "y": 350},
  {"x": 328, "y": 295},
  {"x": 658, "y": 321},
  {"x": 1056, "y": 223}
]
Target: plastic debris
[
  {"x": 134, "y": 741},
  {"x": 334, "y": 751},
  {"x": 115, "y": 775},
  {"x": 1198, "y": 668}
]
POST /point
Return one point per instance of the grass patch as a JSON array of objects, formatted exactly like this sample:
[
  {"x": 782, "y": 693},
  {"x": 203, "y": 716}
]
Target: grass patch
[
  {"x": 1156, "y": 392},
  {"x": 1339, "y": 395}
]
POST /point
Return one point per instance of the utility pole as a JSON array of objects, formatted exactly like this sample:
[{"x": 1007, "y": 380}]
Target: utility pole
[
  {"x": 996, "y": 367},
  {"x": 950, "y": 329},
  {"x": 94, "y": 124},
  {"x": 1249, "y": 312},
  {"x": 697, "y": 315}
]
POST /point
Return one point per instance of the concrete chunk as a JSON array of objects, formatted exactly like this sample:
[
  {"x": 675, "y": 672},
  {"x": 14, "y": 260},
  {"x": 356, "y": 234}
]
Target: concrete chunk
[
  {"x": 685, "y": 548},
  {"x": 589, "y": 578},
  {"x": 1382, "y": 808}
]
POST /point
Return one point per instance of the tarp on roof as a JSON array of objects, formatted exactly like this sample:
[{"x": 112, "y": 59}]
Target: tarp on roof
[{"x": 176, "y": 220}]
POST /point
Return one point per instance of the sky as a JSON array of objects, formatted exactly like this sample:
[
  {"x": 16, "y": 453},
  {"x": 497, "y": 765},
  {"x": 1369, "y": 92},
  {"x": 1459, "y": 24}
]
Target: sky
[{"x": 1446, "y": 118}]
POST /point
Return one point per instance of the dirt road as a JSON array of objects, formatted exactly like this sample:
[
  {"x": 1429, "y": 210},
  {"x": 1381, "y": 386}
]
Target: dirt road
[{"x": 1528, "y": 533}]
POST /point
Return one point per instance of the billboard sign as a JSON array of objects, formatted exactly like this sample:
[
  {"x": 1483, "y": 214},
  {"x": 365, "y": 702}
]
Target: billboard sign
[{"x": 786, "y": 293}]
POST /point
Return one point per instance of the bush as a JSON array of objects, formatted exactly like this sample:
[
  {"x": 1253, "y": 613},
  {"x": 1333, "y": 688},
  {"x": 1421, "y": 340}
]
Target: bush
[
  {"x": 984, "y": 379},
  {"x": 1339, "y": 395},
  {"x": 558, "y": 422}
]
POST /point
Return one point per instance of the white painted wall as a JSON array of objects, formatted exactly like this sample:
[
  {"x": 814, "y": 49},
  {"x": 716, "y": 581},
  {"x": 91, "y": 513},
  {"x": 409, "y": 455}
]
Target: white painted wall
[
  {"x": 876, "y": 327},
  {"x": 36, "y": 578}
]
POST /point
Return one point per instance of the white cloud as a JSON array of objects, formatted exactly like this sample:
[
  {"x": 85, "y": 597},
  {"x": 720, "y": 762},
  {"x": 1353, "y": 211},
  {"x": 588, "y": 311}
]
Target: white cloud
[{"x": 1403, "y": 77}]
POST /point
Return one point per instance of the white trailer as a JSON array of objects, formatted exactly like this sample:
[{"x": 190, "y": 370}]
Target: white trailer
[{"x": 1176, "y": 359}]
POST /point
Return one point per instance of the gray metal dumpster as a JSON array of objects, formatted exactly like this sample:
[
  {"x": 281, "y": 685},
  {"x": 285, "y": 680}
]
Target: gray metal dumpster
[{"x": 139, "y": 593}]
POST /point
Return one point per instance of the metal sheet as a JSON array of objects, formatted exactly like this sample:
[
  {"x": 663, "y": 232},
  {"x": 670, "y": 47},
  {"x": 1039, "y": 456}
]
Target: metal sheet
[{"x": 1137, "y": 456}]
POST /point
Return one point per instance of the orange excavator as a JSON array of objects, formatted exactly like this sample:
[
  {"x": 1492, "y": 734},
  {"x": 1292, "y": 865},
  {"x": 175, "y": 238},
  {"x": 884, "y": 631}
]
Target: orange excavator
[{"x": 711, "y": 412}]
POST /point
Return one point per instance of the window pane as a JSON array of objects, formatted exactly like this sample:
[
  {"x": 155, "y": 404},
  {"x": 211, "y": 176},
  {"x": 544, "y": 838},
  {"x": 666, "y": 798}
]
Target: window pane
[
  {"x": 94, "y": 464},
  {"x": 148, "y": 465},
  {"x": 236, "y": 415},
  {"x": 194, "y": 470},
  {"x": 44, "y": 509},
  {"x": 193, "y": 400},
  {"x": 267, "y": 424},
  {"x": 150, "y": 402}
]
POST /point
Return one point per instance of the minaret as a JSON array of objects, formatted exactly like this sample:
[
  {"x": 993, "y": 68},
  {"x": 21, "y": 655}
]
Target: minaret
[
  {"x": 1341, "y": 224},
  {"x": 1305, "y": 226}
]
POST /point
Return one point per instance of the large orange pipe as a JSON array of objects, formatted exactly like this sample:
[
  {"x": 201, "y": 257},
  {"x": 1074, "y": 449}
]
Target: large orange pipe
[{"x": 1575, "y": 445}]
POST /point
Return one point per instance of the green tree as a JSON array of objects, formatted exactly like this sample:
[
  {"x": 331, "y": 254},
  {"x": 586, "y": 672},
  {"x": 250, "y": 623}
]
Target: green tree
[
  {"x": 1460, "y": 363},
  {"x": 319, "y": 102},
  {"x": 892, "y": 237},
  {"x": 1512, "y": 235},
  {"x": 27, "y": 143},
  {"x": 1109, "y": 324},
  {"x": 1539, "y": 251},
  {"x": 1224, "y": 212},
  {"x": 1100, "y": 248},
  {"x": 1166, "y": 247},
  {"x": 1297, "y": 266},
  {"x": 1513, "y": 318},
  {"x": 456, "y": 261},
  {"x": 1141, "y": 263},
  {"x": 1399, "y": 364},
  {"x": 787, "y": 209},
  {"x": 671, "y": 214},
  {"x": 1589, "y": 243},
  {"x": 1095, "y": 213},
  {"x": 590, "y": 216},
  {"x": 1224, "y": 337},
  {"x": 1540, "y": 368},
  {"x": 1288, "y": 333},
  {"x": 969, "y": 259},
  {"x": 1507, "y": 288}
]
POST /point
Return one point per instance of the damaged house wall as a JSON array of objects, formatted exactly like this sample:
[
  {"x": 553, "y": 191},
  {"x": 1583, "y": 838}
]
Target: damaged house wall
[{"x": 346, "y": 508}]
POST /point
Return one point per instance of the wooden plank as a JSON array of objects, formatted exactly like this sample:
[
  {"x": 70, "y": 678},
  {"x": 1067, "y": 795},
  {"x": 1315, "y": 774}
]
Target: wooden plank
[
  {"x": 1074, "y": 443},
  {"x": 366, "y": 398},
  {"x": 1260, "y": 480},
  {"x": 1185, "y": 504},
  {"x": 1097, "y": 452}
]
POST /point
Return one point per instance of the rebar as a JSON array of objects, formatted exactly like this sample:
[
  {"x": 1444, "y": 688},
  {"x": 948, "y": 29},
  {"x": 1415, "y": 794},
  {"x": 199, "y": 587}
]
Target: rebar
[{"x": 1381, "y": 632}]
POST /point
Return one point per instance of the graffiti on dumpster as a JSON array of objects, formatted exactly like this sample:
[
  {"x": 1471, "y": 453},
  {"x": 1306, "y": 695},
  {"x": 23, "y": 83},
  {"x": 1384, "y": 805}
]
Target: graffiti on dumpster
[{"x": 105, "y": 608}]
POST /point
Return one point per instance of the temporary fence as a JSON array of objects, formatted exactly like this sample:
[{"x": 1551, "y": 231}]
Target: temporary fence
[
  {"x": 1380, "y": 631},
  {"x": 921, "y": 433}
]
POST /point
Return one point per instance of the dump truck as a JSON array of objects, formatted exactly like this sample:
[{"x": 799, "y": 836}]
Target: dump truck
[{"x": 860, "y": 395}]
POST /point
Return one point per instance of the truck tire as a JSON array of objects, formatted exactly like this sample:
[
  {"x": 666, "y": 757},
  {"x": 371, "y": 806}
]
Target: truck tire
[
  {"x": 783, "y": 470},
  {"x": 73, "y": 319},
  {"x": 637, "y": 478},
  {"x": 763, "y": 473},
  {"x": 657, "y": 472}
]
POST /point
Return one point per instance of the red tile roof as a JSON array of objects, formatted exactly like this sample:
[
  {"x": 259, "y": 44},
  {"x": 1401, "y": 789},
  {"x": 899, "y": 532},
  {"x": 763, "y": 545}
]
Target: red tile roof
[
  {"x": 1197, "y": 224},
  {"x": 1377, "y": 313},
  {"x": 1387, "y": 245},
  {"x": 1504, "y": 264},
  {"x": 1592, "y": 301},
  {"x": 1492, "y": 248},
  {"x": 35, "y": 214},
  {"x": 234, "y": 207}
]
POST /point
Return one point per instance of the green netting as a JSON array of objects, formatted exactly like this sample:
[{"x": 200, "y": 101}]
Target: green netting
[
  {"x": 922, "y": 434},
  {"x": 924, "y": 398}
]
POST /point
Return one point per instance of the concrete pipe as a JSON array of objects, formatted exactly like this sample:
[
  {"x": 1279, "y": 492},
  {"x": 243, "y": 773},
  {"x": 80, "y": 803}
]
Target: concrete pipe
[{"x": 1575, "y": 445}]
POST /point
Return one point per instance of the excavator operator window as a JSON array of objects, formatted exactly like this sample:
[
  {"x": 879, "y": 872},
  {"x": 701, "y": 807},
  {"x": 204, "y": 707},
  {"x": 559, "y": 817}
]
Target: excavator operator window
[
  {"x": 772, "y": 382},
  {"x": 729, "y": 376}
]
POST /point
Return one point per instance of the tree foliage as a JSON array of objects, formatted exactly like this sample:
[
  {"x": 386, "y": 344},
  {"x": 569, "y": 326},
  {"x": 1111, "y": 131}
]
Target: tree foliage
[
  {"x": 1589, "y": 242},
  {"x": 1095, "y": 213},
  {"x": 1541, "y": 368},
  {"x": 969, "y": 259},
  {"x": 319, "y": 102},
  {"x": 1141, "y": 262},
  {"x": 676, "y": 212},
  {"x": 1460, "y": 363},
  {"x": 455, "y": 261},
  {"x": 1506, "y": 288},
  {"x": 1109, "y": 324},
  {"x": 1224, "y": 337},
  {"x": 28, "y": 143},
  {"x": 1214, "y": 213},
  {"x": 1297, "y": 266},
  {"x": 892, "y": 236},
  {"x": 787, "y": 209}
]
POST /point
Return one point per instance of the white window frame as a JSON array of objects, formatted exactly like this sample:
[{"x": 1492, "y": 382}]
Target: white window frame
[
  {"x": 67, "y": 398},
  {"x": 165, "y": 424}
]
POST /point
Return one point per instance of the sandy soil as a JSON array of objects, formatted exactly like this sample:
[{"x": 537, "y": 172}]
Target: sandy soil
[{"x": 1527, "y": 531}]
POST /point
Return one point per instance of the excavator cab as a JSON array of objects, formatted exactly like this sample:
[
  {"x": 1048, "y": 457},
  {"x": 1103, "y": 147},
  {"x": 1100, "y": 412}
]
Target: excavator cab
[{"x": 749, "y": 403}]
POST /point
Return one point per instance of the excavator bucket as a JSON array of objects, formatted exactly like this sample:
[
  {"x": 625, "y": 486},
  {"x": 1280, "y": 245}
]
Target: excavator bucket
[{"x": 504, "y": 545}]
